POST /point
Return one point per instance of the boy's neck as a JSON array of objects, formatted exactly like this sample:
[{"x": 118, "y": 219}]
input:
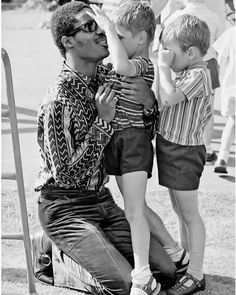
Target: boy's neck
[
  {"x": 144, "y": 52},
  {"x": 198, "y": 60}
]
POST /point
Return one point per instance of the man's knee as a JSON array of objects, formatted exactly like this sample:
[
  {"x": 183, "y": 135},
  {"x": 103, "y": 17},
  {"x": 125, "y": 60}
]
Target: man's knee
[{"x": 167, "y": 274}]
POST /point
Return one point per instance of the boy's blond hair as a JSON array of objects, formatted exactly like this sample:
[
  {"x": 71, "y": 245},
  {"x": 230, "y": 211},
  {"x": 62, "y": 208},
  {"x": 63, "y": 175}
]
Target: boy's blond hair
[
  {"x": 136, "y": 16},
  {"x": 189, "y": 31}
]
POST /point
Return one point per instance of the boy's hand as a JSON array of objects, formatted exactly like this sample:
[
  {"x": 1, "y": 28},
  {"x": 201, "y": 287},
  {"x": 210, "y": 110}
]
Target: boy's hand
[
  {"x": 100, "y": 17},
  {"x": 106, "y": 103},
  {"x": 165, "y": 57}
]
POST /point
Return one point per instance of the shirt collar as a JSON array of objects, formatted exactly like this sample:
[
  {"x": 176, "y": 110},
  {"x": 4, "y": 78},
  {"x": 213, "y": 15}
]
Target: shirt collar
[
  {"x": 91, "y": 82},
  {"x": 199, "y": 64}
]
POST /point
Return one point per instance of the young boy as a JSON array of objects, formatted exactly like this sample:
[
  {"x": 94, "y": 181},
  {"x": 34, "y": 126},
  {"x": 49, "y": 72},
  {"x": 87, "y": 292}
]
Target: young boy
[
  {"x": 181, "y": 154},
  {"x": 200, "y": 9},
  {"x": 129, "y": 154}
]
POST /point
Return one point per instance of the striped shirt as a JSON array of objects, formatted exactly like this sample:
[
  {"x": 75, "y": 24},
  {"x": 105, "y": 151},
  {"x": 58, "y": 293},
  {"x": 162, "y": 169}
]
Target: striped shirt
[
  {"x": 128, "y": 112},
  {"x": 184, "y": 122}
]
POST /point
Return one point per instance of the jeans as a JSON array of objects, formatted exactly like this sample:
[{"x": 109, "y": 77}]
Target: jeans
[{"x": 91, "y": 229}]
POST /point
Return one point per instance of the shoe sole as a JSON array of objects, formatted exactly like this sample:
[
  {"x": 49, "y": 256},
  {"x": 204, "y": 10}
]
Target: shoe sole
[{"x": 193, "y": 292}]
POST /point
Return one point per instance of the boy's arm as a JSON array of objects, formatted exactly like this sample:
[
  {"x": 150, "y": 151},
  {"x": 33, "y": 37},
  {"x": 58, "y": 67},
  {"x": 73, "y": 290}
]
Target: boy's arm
[
  {"x": 169, "y": 95},
  {"x": 118, "y": 55}
]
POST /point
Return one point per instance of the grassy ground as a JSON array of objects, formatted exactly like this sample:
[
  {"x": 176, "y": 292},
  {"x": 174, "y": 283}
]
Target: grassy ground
[{"x": 35, "y": 63}]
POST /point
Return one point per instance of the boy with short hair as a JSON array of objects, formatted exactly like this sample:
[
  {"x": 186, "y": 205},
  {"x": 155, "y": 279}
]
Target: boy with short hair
[
  {"x": 181, "y": 154},
  {"x": 129, "y": 154}
]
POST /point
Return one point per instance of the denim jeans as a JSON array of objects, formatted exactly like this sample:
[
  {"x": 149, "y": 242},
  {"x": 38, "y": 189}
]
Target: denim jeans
[{"x": 91, "y": 229}]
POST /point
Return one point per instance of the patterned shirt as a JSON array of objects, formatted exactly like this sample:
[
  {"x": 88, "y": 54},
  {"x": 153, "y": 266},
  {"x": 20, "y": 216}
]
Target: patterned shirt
[
  {"x": 128, "y": 112},
  {"x": 184, "y": 122},
  {"x": 71, "y": 135}
]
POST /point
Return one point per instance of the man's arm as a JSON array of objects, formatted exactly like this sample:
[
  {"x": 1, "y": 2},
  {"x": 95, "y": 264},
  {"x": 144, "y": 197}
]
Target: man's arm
[
  {"x": 71, "y": 155},
  {"x": 138, "y": 90}
]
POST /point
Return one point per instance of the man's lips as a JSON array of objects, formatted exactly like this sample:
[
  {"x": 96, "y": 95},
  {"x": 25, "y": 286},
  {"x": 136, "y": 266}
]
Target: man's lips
[{"x": 102, "y": 42}]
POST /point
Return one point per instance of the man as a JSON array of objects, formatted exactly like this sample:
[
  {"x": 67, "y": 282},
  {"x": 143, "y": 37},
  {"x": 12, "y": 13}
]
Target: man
[{"x": 76, "y": 210}]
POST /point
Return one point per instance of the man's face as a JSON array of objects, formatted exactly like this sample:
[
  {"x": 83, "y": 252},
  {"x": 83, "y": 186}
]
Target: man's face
[
  {"x": 181, "y": 60},
  {"x": 128, "y": 41},
  {"x": 90, "y": 46}
]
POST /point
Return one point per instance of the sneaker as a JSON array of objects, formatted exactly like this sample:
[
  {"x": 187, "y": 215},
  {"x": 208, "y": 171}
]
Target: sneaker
[
  {"x": 186, "y": 285},
  {"x": 183, "y": 263},
  {"x": 211, "y": 157},
  {"x": 220, "y": 167},
  {"x": 42, "y": 264},
  {"x": 151, "y": 288}
]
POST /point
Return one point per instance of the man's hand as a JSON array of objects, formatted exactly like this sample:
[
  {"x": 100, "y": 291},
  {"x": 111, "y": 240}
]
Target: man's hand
[
  {"x": 138, "y": 90},
  {"x": 106, "y": 103}
]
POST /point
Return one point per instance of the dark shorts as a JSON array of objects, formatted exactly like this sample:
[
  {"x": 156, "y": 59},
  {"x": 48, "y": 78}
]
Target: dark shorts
[
  {"x": 129, "y": 150},
  {"x": 179, "y": 167},
  {"x": 212, "y": 65}
]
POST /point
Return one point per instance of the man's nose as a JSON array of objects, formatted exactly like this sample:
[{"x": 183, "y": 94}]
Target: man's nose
[{"x": 100, "y": 31}]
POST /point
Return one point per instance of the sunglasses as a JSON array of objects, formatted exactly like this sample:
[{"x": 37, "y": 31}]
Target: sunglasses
[{"x": 89, "y": 27}]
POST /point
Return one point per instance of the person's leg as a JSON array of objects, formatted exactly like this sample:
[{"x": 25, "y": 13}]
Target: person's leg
[
  {"x": 76, "y": 232},
  {"x": 227, "y": 139},
  {"x": 208, "y": 134},
  {"x": 194, "y": 279},
  {"x": 133, "y": 190},
  {"x": 183, "y": 235}
]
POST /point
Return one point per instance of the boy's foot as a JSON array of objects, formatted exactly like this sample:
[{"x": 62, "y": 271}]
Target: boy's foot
[
  {"x": 42, "y": 264},
  {"x": 151, "y": 288},
  {"x": 220, "y": 167},
  {"x": 187, "y": 285},
  {"x": 211, "y": 157},
  {"x": 183, "y": 263}
]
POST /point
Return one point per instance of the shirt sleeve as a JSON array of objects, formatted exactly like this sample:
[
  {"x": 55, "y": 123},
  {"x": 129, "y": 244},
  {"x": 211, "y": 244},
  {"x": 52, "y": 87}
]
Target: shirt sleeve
[
  {"x": 191, "y": 84},
  {"x": 141, "y": 66},
  {"x": 73, "y": 146}
]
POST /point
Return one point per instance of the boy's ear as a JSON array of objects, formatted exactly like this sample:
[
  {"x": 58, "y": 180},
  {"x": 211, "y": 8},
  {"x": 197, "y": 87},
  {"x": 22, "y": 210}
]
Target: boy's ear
[
  {"x": 67, "y": 42},
  {"x": 192, "y": 52},
  {"x": 142, "y": 37}
]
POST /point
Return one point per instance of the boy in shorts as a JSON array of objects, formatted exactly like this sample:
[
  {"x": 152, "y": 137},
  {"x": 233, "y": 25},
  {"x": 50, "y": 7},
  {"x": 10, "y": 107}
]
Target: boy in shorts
[
  {"x": 200, "y": 9},
  {"x": 129, "y": 154},
  {"x": 181, "y": 154}
]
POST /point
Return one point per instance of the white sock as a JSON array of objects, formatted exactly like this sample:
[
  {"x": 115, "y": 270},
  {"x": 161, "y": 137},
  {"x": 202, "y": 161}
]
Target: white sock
[
  {"x": 195, "y": 265},
  {"x": 175, "y": 253},
  {"x": 142, "y": 275}
]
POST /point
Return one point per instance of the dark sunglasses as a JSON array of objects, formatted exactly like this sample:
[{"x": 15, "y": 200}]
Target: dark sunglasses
[{"x": 89, "y": 27}]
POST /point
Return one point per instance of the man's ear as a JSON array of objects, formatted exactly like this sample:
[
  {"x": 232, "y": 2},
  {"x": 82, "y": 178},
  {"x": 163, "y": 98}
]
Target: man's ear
[
  {"x": 142, "y": 37},
  {"x": 67, "y": 42}
]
